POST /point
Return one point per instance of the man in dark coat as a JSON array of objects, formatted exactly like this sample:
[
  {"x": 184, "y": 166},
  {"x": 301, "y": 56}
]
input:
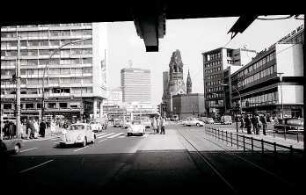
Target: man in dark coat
[
  {"x": 42, "y": 128},
  {"x": 247, "y": 121},
  {"x": 263, "y": 120}
]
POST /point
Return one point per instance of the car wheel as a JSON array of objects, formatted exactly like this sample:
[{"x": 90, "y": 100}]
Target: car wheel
[
  {"x": 16, "y": 148},
  {"x": 84, "y": 142}
]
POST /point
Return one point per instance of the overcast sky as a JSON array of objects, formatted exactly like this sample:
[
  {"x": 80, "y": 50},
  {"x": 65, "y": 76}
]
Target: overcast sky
[{"x": 192, "y": 37}]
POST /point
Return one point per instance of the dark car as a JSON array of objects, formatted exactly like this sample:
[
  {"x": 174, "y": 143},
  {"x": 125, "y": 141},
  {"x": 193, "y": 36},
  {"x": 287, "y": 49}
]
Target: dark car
[
  {"x": 289, "y": 125},
  {"x": 11, "y": 145}
]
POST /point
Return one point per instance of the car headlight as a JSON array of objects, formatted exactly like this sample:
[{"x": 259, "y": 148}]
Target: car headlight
[{"x": 79, "y": 137}]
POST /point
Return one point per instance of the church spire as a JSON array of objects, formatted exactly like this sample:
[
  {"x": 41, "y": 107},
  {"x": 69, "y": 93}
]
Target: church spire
[{"x": 189, "y": 83}]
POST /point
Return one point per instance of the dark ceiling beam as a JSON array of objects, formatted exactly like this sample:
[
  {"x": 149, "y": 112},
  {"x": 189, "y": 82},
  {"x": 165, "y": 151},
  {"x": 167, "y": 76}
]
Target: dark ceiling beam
[{"x": 241, "y": 24}]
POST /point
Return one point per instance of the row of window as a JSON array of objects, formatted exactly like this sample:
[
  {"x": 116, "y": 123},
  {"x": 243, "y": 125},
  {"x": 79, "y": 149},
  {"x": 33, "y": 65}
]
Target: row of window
[
  {"x": 49, "y": 25},
  {"x": 47, "y": 62},
  {"x": 257, "y": 65},
  {"x": 215, "y": 103},
  {"x": 212, "y": 83},
  {"x": 53, "y": 71},
  {"x": 268, "y": 98},
  {"x": 213, "y": 56},
  {"x": 214, "y": 89},
  {"x": 215, "y": 95},
  {"x": 48, "y": 105},
  {"x": 264, "y": 73},
  {"x": 211, "y": 64},
  {"x": 47, "y": 33},
  {"x": 77, "y": 90},
  {"x": 210, "y": 77},
  {"x": 43, "y": 43},
  {"x": 213, "y": 70},
  {"x": 36, "y": 81},
  {"x": 47, "y": 52}
]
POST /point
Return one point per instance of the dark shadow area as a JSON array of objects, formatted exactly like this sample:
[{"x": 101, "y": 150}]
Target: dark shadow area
[{"x": 156, "y": 171}]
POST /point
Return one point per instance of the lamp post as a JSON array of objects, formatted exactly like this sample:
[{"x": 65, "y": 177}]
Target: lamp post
[
  {"x": 44, "y": 73},
  {"x": 281, "y": 91}
]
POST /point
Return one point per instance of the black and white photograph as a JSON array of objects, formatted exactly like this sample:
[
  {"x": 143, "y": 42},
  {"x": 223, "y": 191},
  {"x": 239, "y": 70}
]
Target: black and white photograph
[{"x": 153, "y": 98}]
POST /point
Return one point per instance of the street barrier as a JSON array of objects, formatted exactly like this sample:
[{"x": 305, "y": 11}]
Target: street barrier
[{"x": 247, "y": 143}]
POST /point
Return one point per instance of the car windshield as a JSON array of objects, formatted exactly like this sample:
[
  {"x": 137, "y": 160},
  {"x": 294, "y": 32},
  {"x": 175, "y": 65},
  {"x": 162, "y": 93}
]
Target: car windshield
[{"x": 76, "y": 127}]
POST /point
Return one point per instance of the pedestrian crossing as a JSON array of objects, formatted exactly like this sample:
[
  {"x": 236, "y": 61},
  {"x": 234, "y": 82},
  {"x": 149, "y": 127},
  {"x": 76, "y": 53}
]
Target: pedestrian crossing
[{"x": 110, "y": 135}]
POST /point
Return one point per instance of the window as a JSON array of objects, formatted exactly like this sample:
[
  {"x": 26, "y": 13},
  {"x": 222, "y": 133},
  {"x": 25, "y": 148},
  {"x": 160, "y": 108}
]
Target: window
[
  {"x": 29, "y": 106},
  {"x": 63, "y": 105},
  {"x": 51, "y": 105},
  {"x": 7, "y": 106}
]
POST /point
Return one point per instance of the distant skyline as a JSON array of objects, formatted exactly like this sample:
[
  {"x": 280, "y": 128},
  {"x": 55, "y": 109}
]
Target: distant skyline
[{"x": 192, "y": 37}]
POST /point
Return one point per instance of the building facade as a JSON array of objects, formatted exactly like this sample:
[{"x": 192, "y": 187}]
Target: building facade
[
  {"x": 70, "y": 74},
  {"x": 187, "y": 105},
  {"x": 136, "y": 85},
  {"x": 214, "y": 64}
]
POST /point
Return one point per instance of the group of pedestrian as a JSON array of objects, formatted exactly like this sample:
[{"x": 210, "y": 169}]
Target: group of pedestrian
[
  {"x": 158, "y": 125},
  {"x": 257, "y": 122},
  {"x": 32, "y": 130},
  {"x": 9, "y": 129}
]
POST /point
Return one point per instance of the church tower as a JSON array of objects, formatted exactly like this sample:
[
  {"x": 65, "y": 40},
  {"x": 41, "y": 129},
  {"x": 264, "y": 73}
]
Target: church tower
[
  {"x": 176, "y": 84},
  {"x": 189, "y": 83}
]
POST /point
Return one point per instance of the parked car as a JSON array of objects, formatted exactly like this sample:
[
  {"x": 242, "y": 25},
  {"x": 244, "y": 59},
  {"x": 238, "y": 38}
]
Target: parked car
[
  {"x": 136, "y": 128},
  {"x": 126, "y": 124},
  {"x": 194, "y": 122},
  {"x": 226, "y": 120},
  {"x": 11, "y": 145},
  {"x": 78, "y": 133},
  {"x": 289, "y": 125},
  {"x": 96, "y": 126},
  {"x": 207, "y": 120}
]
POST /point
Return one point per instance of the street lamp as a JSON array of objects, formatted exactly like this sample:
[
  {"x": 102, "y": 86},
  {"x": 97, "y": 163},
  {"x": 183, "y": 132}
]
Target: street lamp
[
  {"x": 240, "y": 103},
  {"x": 44, "y": 73},
  {"x": 281, "y": 90}
]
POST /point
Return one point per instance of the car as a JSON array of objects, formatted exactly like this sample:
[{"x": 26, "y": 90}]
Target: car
[
  {"x": 126, "y": 124},
  {"x": 226, "y": 120},
  {"x": 289, "y": 125},
  {"x": 11, "y": 145},
  {"x": 194, "y": 122},
  {"x": 117, "y": 122},
  {"x": 136, "y": 128},
  {"x": 96, "y": 126},
  {"x": 78, "y": 133},
  {"x": 207, "y": 120}
]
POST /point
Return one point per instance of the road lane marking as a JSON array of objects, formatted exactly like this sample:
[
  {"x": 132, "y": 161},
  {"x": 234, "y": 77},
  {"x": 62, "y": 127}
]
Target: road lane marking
[
  {"x": 115, "y": 135},
  {"x": 80, "y": 149},
  {"x": 31, "y": 168},
  {"x": 102, "y": 140},
  {"x": 98, "y": 136},
  {"x": 105, "y": 135},
  {"x": 29, "y": 149}
]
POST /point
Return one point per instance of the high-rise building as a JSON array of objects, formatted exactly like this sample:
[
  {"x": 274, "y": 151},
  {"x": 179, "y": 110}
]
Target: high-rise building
[
  {"x": 136, "y": 85},
  {"x": 63, "y": 62},
  {"x": 214, "y": 64}
]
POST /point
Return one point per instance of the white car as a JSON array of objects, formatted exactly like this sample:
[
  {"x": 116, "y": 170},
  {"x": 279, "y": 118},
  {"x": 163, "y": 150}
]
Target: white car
[
  {"x": 136, "y": 128},
  {"x": 96, "y": 126},
  {"x": 78, "y": 133},
  {"x": 194, "y": 122}
]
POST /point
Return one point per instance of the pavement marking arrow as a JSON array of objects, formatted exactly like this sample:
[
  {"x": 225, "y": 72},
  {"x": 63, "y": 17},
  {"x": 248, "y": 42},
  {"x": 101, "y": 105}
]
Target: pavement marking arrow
[
  {"x": 29, "y": 149},
  {"x": 80, "y": 149},
  {"x": 31, "y": 168}
]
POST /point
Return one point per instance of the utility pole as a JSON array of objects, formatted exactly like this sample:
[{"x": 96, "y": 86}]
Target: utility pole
[{"x": 18, "y": 90}]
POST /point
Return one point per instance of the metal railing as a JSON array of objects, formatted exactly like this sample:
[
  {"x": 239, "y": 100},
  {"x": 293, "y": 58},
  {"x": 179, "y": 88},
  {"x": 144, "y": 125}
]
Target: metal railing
[{"x": 252, "y": 144}]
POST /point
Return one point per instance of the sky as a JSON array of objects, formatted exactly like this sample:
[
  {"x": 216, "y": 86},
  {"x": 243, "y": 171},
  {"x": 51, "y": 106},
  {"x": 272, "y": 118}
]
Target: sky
[{"x": 192, "y": 37}]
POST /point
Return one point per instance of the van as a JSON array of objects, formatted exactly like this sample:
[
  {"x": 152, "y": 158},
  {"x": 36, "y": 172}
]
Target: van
[{"x": 226, "y": 120}]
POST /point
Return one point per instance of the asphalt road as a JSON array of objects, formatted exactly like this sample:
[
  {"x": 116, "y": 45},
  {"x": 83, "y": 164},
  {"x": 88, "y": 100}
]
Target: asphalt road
[{"x": 183, "y": 160}]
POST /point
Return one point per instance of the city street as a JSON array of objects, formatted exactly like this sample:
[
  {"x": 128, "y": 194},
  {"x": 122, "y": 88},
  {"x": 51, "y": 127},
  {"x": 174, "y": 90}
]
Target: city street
[{"x": 186, "y": 159}]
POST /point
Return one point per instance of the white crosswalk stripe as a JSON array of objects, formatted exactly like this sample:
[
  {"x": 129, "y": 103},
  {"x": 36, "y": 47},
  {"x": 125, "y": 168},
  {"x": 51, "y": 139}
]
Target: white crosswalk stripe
[
  {"x": 115, "y": 135},
  {"x": 109, "y": 134}
]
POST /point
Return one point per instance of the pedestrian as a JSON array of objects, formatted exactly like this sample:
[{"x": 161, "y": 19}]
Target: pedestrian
[
  {"x": 36, "y": 129},
  {"x": 158, "y": 124},
  {"x": 162, "y": 125},
  {"x": 248, "y": 124},
  {"x": 254, "y": 123},
  {"x": 42, "y": 128},
  {"x": 258, "y": 123},
  {"x": 263, "y": 120},
  {"x": 154, "y": 125},
  {"x": 242, "y": 123},
  {"x": 12, "y": 130}
]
